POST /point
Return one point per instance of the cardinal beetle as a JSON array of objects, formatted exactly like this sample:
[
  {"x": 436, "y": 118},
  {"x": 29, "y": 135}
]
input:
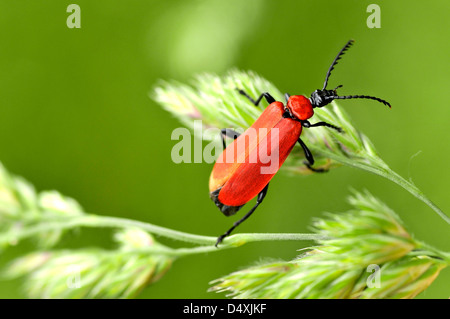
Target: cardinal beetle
[{"x": 233, "y": 183}]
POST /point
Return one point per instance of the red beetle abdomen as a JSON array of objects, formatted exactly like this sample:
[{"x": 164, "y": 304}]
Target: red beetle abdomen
[
  {"x": 239, "y": 150},
  {"x": 250, "y": 178}
]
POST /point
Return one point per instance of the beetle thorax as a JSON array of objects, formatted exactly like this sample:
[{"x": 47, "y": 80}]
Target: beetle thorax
[{"x": 300, "y": 107}]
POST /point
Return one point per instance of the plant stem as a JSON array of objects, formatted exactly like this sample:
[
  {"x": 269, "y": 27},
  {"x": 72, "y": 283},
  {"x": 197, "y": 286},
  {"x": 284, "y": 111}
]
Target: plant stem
[
  {"x": 385, "y": 171},
  {"x": 106, "y": 221},
  {"x": 231, "y": 242},
  {"x": 445, "y": 256}
]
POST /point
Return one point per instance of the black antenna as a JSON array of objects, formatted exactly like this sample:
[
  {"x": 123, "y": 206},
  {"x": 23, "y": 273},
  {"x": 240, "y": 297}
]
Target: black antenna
[
  {"x": 336, "y": 59},
  {"x": 358, "y": 97},
  {"x": 320, "y": 98}
]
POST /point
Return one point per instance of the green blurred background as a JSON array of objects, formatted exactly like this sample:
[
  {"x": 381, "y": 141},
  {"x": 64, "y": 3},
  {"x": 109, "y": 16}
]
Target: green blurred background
[{"x": 75, "y": 113}]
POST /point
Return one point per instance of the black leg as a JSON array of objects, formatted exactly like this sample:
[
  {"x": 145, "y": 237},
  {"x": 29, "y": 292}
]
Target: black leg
[
  {"x": 269, "y": 98},
  {"x": 327, "y": 125},
  {"x": 310, "y": 158},
  {"x": 230, "y": 133},
  {"x": 259, "y": 200}
]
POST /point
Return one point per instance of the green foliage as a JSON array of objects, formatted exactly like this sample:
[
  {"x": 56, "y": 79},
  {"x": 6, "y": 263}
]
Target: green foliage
[
  {"x": 21, "y": 207},
  {"x": 368, "y": 238},
  {"x": 83, "y": 273},
  {"x": 94, "y": 272},
  {"x": 369, "y": 234}
]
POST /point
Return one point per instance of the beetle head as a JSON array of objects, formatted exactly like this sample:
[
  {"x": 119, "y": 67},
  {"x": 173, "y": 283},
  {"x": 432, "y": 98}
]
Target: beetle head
[{"x": 320, "y": 98}]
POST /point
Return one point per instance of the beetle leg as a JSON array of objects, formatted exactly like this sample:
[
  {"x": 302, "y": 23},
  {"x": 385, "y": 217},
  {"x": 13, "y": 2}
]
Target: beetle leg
[
  {"x": 327, "y": 125},
  {"x": 259, "y": 200},
  {"x": 230, "y": 133},
  {"x": 269, "y": 98},
  {"x": 287, "y": 96},
  {"x": 310, "y": 158}
]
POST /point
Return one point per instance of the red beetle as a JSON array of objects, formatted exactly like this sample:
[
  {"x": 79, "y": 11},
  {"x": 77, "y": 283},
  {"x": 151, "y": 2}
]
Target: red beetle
[{"x": 235, "y": 180}]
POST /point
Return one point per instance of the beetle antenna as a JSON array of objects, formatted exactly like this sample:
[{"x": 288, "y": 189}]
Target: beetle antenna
[
  {"x": 336, "y": 59},
  {"x": 359, "y": 97}
]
